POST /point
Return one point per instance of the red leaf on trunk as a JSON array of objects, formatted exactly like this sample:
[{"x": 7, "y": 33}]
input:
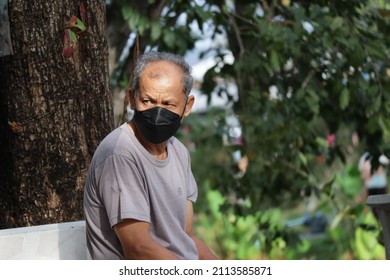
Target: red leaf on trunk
[{"x": 68, "y": 47}]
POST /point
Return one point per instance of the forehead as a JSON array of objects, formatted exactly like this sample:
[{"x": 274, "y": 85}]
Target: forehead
[{"x": 162, "y": 69}]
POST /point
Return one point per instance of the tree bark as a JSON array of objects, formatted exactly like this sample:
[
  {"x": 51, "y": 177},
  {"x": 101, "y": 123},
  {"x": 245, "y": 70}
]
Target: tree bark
[{"x": 54, "y": 111}]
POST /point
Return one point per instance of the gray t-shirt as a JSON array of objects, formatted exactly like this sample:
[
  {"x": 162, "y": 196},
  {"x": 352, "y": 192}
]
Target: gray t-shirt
[{"x": 125, "y": 181}]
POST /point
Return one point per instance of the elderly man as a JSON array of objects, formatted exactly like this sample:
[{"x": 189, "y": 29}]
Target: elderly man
[{"x": 140, "y": 188}]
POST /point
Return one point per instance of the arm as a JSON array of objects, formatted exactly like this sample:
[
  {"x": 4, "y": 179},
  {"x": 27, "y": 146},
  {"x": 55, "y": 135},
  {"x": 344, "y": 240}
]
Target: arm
[
  {"x": 138, "y": 244},
  {"x": 203, "y": 251}
]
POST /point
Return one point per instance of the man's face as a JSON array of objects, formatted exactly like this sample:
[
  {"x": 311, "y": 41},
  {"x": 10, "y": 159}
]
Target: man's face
[{"x": 161, "y": 85}]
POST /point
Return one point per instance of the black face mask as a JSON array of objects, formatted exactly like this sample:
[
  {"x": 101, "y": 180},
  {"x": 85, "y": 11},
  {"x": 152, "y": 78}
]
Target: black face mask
[{"x": 157, "y": 124}]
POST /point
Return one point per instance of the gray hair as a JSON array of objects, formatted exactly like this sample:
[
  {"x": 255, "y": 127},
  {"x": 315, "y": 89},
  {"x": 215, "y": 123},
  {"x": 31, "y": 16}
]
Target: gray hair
[{"x": 150, "y": 57}]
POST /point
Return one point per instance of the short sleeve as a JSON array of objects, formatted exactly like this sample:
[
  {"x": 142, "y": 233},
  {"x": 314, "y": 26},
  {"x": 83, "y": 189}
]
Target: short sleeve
[
  {"x": 192, "y": 191},
  {"x": 123, "y": 192}
]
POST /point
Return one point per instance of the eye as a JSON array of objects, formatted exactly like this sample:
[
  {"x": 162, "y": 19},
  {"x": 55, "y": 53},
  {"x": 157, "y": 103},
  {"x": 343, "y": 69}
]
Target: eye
[
  {"x": 170, "y": 105},
  {"x": 147, "y": 101}
]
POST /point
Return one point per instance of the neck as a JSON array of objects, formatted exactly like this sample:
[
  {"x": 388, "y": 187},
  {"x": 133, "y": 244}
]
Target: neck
[{"x": 159, "y": 151}]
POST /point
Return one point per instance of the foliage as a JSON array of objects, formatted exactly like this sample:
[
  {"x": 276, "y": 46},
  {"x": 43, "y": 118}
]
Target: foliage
[
  {"x": 353, "y": 227},
  {"x": 304, "y": 72},
  {"x": 352, "y": 232},
  {"x": 239, "y": 237}
]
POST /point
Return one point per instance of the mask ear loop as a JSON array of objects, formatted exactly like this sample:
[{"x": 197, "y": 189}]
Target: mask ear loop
[{"x": 185, "y": 106}]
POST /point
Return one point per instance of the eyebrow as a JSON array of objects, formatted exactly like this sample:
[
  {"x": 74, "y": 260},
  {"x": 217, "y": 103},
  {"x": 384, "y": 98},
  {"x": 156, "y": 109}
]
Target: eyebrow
[{"x": 165, "y": 98}]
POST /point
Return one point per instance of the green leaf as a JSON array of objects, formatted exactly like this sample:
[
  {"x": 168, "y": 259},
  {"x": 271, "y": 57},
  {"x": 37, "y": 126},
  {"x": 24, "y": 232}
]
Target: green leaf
[
  {"x": 275, "y": 64},
  {"x": 372, "y": 125},
  {"x": 344, "y": 99},
  {"x": 375, "y": 50},
  {"x": 322, "y": 142},
  {"x": 143, "y": 25},
  {"x": 155, "y": 30},
  {"x": 127, "y": 12},
  {"x": 299, "y": 14},
  {"x": 384, "y": 123},
  {"x": 337, "y": 23},
  {"x": 377, "y": 103},
  {"x": 312, "y": 100},
  {"x": 328, "y": 187},
  {"x": 303, "y": 158},
  {"x": 72, "y": 36},
  {"x": 76, "y": 23},
  {"x": 134, "y": 20},
  {"x": 169, "y": 38}
]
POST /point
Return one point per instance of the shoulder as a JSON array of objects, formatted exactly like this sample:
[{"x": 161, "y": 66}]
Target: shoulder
[
  {"x": 116, "y": 143},
  {"x": 112, "y": 138}
]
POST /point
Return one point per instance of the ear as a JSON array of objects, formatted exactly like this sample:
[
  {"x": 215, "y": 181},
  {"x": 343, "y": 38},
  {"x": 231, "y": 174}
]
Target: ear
[
  {"x": 190, "y": 103},
  {"x": 130, "y": 95}
]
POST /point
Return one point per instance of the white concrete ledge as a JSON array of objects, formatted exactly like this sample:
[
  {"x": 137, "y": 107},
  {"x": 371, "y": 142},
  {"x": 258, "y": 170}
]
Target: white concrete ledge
[{"x": 63, "y": 241}]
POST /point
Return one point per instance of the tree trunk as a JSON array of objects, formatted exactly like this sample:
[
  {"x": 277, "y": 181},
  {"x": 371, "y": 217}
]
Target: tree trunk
[{"x": 54, "y": 111}]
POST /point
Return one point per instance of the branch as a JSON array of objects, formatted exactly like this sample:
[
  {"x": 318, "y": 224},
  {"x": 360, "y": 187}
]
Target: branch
[
  {"x": 240, "y": 46},
  {"x": 237, "y": 33},
  {"x": 156, "y": 9},
  {"x": 308, "y": 78}
]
